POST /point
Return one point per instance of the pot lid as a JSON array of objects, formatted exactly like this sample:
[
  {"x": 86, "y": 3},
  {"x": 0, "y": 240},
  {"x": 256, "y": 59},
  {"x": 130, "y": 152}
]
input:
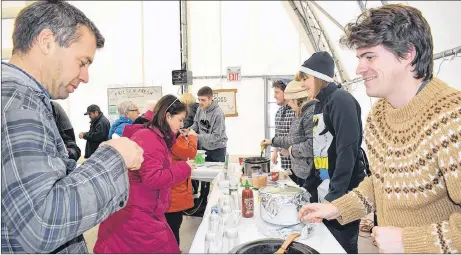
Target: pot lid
[
  {"x": 283, "y": 190},
  {"x": 270, "y": 246},
  {"x": 256, "y": 160}
]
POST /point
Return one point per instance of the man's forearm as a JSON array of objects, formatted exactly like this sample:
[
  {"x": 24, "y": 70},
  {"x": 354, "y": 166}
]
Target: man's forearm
[{"x": 61, "y": 208}]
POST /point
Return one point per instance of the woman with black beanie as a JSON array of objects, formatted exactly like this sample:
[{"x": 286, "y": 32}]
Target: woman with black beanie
[{"x": 337, "y": 139}]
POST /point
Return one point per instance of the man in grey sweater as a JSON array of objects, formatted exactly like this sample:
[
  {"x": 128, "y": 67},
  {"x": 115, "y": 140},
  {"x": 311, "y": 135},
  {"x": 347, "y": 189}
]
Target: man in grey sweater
[
  {"x": 48, "y": 202},
  {"x": 210, "y": 126}
]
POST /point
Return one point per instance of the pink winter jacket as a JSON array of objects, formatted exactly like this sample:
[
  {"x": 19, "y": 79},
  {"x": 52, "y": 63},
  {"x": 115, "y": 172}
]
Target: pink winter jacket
[{"x": 141, "y": 226}]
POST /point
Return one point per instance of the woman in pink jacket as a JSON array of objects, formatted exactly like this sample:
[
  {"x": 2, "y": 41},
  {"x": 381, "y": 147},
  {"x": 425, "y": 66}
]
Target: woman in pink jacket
[{"x": 141, "y": 226}]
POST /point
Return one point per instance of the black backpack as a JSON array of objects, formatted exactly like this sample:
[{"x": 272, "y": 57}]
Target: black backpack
[
  {"x": 364, "y": 161},
  {"x": 362, "y": 156}
]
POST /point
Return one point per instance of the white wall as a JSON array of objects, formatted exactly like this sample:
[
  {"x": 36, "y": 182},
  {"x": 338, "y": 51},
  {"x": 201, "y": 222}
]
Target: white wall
[
  {"x": 246, "y": 131},
  {"x": 259, "y": 37},
  {"x": 119, "y": 62}
]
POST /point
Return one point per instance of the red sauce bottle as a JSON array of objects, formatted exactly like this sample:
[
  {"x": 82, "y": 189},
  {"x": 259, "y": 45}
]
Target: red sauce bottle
[{"x": 247, "y": 202}]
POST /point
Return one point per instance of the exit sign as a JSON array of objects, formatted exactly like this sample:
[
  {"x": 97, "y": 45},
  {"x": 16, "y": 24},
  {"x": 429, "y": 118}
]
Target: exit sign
[{"x": 233, "y": 74}]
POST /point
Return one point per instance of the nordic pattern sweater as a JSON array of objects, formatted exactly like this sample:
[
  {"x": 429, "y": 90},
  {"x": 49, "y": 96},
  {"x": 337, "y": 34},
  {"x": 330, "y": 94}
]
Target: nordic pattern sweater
[{"x": 415, "y": 157}]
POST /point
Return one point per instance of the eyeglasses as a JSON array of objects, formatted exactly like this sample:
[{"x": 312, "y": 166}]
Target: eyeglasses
[{"x": 133, "y": 110}]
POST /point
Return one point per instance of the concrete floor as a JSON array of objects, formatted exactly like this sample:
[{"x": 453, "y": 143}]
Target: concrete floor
[{"x": 189, "y": 228}]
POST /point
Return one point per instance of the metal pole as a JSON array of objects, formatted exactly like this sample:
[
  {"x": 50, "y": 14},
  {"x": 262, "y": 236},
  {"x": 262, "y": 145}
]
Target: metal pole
[
  {"x": 266, "y": 113},
  {"x": 362, "y": 6},
  {"x": 183, "y": 38},
  {"x": 355, "y": 80},
  {"x": 306, "y": 27},
  {"x": 220, "y": 42},
  {"x": 325, "y": 45},
  {"x": 180, "y": 38},
  {"x": 143, "y": 72},
  {"x": 448, "y": 53},
  {"x": 246, "y": 77},
  {"x": 180, "y": 30},
  {"x": 327, "y": 15},
  {"x": 443, "y": 54}
]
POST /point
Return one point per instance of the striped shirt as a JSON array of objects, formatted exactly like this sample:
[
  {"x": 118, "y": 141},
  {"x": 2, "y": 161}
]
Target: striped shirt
[
  {"x": 48, "y": 203},
  {"x": 283, "y": 119}
]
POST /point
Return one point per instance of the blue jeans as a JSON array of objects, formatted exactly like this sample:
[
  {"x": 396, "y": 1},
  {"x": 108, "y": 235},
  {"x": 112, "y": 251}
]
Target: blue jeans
[{"x": 218, "y": 155}]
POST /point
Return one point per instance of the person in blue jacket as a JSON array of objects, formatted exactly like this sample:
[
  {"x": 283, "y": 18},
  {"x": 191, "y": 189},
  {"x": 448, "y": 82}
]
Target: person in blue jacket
[{"x": 128, "y": 112}]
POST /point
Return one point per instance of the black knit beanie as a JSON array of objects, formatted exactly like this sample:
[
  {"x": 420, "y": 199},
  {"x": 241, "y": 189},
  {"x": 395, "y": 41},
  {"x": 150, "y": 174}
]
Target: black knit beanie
[{"x": 320, "y": 65}]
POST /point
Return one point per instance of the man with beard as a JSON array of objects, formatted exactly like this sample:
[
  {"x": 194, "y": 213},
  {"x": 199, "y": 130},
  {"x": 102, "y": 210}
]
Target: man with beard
[{"x": 99, "y": 130}]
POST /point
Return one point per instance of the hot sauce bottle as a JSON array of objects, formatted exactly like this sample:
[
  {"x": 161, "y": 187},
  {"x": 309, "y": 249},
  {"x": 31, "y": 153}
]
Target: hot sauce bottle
[{"x": 247, "y": 202}]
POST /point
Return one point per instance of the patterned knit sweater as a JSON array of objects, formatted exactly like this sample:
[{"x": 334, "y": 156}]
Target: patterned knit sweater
[{"x": 415, "y": 158}]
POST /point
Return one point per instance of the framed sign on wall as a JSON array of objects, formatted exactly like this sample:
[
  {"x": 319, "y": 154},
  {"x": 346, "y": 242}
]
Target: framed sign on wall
[
  {"x": 227, "y": 100},
  {"x": 139, "y": 95}
]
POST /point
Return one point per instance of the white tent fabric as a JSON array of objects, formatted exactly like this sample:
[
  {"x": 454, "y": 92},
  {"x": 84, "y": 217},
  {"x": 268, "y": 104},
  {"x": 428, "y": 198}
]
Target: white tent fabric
[
  {"x": 441, "y": 15},
  {"x": 143, "y": 47}
]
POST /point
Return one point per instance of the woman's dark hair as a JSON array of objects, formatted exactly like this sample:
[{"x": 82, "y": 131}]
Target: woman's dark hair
[
  {"x": 397, "y": 27},
  {"x": 167, "y": 104}
]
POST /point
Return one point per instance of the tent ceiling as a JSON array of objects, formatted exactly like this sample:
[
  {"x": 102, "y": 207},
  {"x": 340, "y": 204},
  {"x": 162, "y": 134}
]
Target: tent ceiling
[{"x": 323, "y": 22}]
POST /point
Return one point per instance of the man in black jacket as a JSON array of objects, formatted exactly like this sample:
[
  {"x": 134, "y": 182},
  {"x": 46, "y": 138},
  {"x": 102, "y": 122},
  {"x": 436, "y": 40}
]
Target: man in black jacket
[
  {"x": 99, "y": 130},
  {"x": 66, "y": 131}
]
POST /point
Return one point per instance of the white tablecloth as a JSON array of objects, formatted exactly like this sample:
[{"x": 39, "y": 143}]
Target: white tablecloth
[
  {"x": 321, "y": 240},
  {"x": 207, "y": 172}
]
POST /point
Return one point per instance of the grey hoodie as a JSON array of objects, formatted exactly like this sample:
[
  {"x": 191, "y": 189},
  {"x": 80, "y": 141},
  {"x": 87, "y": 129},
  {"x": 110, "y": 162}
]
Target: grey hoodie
[
  {"x": 210, "y": 127},
  {"x": 300, "y": 138}
]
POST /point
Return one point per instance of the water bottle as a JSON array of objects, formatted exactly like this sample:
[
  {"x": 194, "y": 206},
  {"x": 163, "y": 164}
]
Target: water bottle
[
  {"x": 214, "y": 220},
  {"x": 226, "y": 166},
  {"x": 234, "y": 194},
  {"x": 231, "y": 240},
  {"x": 216, "y": 223},
  {"x": 210, "y": 240}
]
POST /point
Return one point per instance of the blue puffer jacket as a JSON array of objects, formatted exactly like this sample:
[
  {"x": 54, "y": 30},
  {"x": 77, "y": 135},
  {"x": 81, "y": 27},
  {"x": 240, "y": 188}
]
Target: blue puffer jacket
[{"x": 118, "y": 126}]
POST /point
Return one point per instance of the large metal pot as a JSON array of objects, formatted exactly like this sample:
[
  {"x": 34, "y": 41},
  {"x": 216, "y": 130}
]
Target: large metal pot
[
  {"x": 270, "y": 246},
  {"x": 280, "y": 204},
  {"x": 254, "y": 164}
]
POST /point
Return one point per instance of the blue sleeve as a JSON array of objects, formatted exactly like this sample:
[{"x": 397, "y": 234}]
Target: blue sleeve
[
  {"x": 119, "y": 129},
  {"x": 111, "y": 131}
]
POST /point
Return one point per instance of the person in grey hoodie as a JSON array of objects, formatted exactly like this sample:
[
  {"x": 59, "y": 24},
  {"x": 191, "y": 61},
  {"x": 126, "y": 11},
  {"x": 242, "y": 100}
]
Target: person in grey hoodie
[
  {"x": 298, "y": 143},
  {"x": 210, "y": 127}
]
